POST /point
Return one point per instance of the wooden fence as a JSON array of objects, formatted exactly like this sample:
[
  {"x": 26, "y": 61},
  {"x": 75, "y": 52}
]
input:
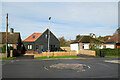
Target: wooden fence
[
  {"x": 87, "y": 52},
  {"x": 52, "y": 54}
]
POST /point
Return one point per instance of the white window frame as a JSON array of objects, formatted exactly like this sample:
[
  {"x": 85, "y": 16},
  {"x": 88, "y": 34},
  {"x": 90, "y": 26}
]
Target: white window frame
[
  {"x": 29, "y": 46},
  {"x": 9, "y": 44}
]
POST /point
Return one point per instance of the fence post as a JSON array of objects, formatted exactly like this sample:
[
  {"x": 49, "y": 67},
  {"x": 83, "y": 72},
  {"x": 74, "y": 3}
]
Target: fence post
[{"x": 11, "y": 53}]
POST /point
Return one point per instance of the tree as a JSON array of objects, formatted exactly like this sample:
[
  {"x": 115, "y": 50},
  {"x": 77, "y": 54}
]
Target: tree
[
  {"x": 103, "y": 38},
  {"x": 78, "y": 37},
  {"x": 94, "y": 44},
  {"x": 63, "y": 42},
  {"x": 117, "y": 31}
]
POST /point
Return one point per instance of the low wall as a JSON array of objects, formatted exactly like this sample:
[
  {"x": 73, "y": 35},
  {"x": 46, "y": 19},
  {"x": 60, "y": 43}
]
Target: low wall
[
  {"x": 31, "y": 52},
  {"x": 2, "y": 55},
  {"x": 51, "y": 54},
  {"x": 87, "y": 52}
]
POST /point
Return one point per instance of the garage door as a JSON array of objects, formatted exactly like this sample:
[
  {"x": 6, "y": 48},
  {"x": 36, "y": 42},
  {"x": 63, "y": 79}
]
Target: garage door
[{"x": 74, "y": 47}]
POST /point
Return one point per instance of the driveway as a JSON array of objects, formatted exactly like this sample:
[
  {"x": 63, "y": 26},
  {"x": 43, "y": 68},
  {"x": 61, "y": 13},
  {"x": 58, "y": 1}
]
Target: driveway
[{"x": 31, "y": 68}]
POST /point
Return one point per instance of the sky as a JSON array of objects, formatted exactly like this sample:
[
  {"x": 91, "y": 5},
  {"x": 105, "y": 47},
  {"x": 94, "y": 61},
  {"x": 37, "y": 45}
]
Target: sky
[{"x": 68, "y": 19}]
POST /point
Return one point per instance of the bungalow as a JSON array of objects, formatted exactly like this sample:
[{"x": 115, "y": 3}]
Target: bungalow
[
  {"x": 113, "y": 42},
  {"x": 38, "y": 42},
  {"x": 86, "y": 42},
  {"x": 14, "y": 40}
]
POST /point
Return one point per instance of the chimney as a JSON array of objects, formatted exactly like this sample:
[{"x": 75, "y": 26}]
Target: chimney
[
  {"x": 109, "y": 37},
  {"x": 93, "y": 36},
  {"x": 12, "y": 30}
]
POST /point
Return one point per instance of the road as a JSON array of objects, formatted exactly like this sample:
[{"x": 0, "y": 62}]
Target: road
[{"x": 30, "y": 68}]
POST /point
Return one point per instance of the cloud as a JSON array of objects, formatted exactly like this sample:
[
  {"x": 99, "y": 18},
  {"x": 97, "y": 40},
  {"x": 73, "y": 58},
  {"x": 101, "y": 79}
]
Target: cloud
[
  {"x": 60, "y": 0},
  {"x": 68, "y": 19}
]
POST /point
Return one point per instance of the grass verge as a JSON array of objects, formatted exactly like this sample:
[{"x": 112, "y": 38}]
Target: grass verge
[
  {"x": 9, "y": 58},
  {"x": 113, "y": 56},
  {"x": 57, "y": 57}
]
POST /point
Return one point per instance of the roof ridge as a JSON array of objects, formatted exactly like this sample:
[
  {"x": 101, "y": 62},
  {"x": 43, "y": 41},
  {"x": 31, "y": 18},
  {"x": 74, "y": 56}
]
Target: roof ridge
[
  {"x": 96, "y": 39},
  {"x": 81, "y": 38}
]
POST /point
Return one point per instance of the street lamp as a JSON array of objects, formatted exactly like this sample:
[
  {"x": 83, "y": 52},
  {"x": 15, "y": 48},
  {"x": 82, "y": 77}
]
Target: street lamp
[{"x": 49, "y": 36}]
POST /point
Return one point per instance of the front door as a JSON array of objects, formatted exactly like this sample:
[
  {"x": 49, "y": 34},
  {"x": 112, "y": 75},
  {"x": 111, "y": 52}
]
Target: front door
[{"x": 40, "y": 48}]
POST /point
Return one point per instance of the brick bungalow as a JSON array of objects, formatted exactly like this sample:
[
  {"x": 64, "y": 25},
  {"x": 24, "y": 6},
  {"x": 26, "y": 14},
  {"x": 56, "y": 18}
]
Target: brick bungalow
[
  {"x": 113, "y": 42},
  {"x": 14, "y": 40},
  {"x": 84, "y": 42},
  {"x": 38, "y": 42}
]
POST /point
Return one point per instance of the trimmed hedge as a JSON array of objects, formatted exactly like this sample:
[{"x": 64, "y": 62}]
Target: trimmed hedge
[
  {"x": 3, "y": 49},
  {"x": 108, "y": 52}
]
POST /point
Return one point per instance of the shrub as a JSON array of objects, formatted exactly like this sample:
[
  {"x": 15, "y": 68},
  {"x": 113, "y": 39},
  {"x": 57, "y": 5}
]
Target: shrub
[
  {"x": 108, "y": 52},
  {"x": 0, "y": 49},
  {"x": 4, "y": 49}
]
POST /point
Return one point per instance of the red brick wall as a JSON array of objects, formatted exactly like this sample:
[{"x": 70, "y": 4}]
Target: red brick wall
[
  {"x": 1, "y": 44},
  {"x": 31, "y": 52},
  {"x": 14, "y": 46}
]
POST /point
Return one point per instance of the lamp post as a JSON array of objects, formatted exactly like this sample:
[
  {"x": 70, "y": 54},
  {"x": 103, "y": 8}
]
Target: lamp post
[{"x": 49, "y": 36}]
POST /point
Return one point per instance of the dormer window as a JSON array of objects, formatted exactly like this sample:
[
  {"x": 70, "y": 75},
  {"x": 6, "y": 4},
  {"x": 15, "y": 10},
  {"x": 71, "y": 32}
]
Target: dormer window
[
  {"x": 46, "y": 36},
  {"x": 33, "y": 36}
]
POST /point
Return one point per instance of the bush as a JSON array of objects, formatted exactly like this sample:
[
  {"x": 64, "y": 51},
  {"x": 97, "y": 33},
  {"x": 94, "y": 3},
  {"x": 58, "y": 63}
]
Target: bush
[
  {"x": 108, "y": 52},
  {"x": 0, "y": 49},
  {"x": 4, "y": 49}
]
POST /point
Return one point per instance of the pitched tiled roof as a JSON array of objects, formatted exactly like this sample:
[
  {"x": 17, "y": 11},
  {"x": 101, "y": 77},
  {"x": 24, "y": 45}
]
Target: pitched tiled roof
[
  {"x": 72, "y": 41},
  {"x": 86, "y": 39},
  {"x": 12, "y": 37},
  {"x": 114, "y": 39},
  {"x": 33, "y": 37}
]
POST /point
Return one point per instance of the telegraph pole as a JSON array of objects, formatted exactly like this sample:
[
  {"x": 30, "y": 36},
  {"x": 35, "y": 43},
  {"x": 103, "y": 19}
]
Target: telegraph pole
[
  {"x": 49, "y": 36},
  {"x": 6, "y": 35}
]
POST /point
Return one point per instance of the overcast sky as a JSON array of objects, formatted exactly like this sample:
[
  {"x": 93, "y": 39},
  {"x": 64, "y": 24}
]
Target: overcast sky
[{"x": 68, "y": 18}]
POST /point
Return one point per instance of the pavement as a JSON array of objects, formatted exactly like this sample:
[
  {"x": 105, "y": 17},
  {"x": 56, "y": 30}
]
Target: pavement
[{"x": 31, "y": 68}]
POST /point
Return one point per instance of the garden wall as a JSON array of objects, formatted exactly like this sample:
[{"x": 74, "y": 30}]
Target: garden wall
[
  {"x": 2, "y": 55},
  {"x": 87, "y": 52}
]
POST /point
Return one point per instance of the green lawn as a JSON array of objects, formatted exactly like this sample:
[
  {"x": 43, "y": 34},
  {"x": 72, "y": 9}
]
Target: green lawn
[
  {"x": 57, "y": 57},
  {"x": 113, "y": 56},
  {"x": 9, "y": 58}
]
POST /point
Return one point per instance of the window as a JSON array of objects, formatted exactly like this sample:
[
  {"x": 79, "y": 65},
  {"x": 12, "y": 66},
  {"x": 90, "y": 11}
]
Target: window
[
  {"x": 41, "y": 46},
  {"x": 33, "y": 36},
  {"x": 9, "y": 44},
  {"x": 29, "y": 46},
  {"x": 104, "y": 46},
  {"x": 83, "y": 46},
  {"x": 46, "y": 36},
  {"x": 37, "y": 46}
]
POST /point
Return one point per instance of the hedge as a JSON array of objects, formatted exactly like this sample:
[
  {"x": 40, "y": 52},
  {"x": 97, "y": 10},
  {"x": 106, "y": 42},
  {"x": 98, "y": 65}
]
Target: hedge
[
  {"x": 3, "y": 49},
  {"x": 108, "y": 52}
]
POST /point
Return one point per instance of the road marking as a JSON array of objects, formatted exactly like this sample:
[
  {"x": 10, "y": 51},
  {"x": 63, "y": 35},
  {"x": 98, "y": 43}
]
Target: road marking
[
  {"x": 89, "y": 67},
  {"x": 17, "y": 60},
  {"x": 45, "y": 68},
  {"x": 113, "y": 61},
  {"x": 12, "y": 61},
  {"x": 83, "y": 70}
]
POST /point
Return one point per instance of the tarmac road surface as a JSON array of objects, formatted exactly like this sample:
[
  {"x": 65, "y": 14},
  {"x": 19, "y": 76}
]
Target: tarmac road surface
[{"x": 31, "y": 68}]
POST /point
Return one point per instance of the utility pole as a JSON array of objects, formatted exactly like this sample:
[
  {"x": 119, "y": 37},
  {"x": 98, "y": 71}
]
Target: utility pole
[
  {"x": 6, "y": 35},
  {"x": 49, "y": 36}
]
